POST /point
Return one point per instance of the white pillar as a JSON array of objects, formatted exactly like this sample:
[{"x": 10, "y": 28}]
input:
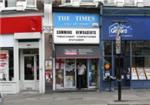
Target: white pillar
[
  {"x": 41, "y": 66},
  {"x": 16, "y": 65}
]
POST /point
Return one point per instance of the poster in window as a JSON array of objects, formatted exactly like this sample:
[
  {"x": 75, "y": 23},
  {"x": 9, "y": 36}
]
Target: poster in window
[
  {"x": 141, "y": 73},
  {"x": 4, "y": 64},
  {"x": 48, "y": 64},
  {"x": 147, "y": 70},
  {"x": 48, "y": 71},
  {"x": 134, "y": 74}
]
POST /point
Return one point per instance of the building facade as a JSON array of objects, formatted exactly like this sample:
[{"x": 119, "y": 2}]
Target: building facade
[
  {"x": 76, "y": 40},
  {"x": 21, "y": 48},
  {"x": 134, "y": 57}
]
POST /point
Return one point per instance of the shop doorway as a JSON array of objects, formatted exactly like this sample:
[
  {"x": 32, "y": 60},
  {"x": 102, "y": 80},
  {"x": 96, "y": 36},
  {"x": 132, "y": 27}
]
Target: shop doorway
[
  {"x": 81, "y": 73},
  {"x": 68, "y": 76},
  {"x": 29, "y": 73}
]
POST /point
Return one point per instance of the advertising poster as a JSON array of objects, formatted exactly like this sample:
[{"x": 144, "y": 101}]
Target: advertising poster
[
  {"x": 141, "y": 74},
  {"x": 48, "y": 71},
  {"x": 4, "y": 64},
  {"x": 147, "y": 70},
  {"x": 134, "y": 74}
]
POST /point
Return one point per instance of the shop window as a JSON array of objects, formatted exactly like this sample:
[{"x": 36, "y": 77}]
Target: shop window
[
  {"x": 141, "y": 60},
  {"x": 6, "y": 64},
  {"x": 70, "y": 79},
  {"x": 93, "y": 73},
  {"x": 59, "y": 73},
  {"x": 141, "y": 48},
  {"x": 107, "y": 48}
]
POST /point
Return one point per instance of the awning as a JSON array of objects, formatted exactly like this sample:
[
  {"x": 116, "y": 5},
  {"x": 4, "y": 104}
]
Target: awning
[{"x": 80, "y": 52}]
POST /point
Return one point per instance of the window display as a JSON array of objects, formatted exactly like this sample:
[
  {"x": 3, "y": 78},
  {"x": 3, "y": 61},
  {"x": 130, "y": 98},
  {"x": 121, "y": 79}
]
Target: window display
[
  {"x": 6, "y": 64},
  {"x": 59, "y": 74},
  {"x": 139, "y": 73},
  {"x": 92, "y": 75},
  {"x": 134, "y": 74},
  {"x": 70, "y": 74}
]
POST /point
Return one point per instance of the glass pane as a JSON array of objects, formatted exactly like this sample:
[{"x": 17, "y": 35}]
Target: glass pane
[
  {"x": 93, "y": 72},
  {"x": 141, "y": 47},
  {"x": 107, "y": 46},
  {"x": 11, "y": 65},
  {"x": 31, "y": 2},
  {"x": 37, "y": 66},
  {"x": 70, "y": 73},
  {"x": 29, "y": 67},
  {"x": 10, "y": 3},
  {"x": 6, "y": 64},
  {"x": 59, "y": 73}
]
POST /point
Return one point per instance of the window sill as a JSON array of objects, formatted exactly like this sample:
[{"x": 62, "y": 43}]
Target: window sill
[
  {"x": 7, "y": 81},
  {"x": 9, "y": 8}
]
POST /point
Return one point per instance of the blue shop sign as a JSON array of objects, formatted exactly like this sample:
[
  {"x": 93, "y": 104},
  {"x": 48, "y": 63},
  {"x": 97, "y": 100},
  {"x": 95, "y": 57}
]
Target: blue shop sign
[
  {"x": 135, "y": 28},
  {"x": 75, "y": 20}
]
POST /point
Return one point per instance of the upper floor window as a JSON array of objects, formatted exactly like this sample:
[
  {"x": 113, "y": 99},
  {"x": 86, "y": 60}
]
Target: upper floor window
[
  {"x": 31, "y": 3},
  {"x": 9, "y": 3},
  {"x": 12, "y": 4}
]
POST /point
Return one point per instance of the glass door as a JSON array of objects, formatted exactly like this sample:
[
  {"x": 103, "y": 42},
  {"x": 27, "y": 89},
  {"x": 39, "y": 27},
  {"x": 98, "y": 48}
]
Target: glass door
[
  {"x": 70, "y": 73},
  {"x": 30, "y": 72}
]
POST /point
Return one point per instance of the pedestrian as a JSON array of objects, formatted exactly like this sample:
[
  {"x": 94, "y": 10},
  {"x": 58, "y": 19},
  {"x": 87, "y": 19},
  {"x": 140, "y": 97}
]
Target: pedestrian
[{"x": 81, "y": 73}]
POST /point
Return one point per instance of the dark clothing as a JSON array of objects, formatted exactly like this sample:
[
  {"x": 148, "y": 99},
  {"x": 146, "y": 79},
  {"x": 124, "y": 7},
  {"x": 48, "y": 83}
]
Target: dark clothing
[{"x": 80, "y": 81}]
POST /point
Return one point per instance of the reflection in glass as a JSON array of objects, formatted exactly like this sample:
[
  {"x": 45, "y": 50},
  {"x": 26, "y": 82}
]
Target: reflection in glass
[
  {"x": 93, "y": 73},
  {"x": 70, "y": 73},
  {"x": 29, "y": 67}
]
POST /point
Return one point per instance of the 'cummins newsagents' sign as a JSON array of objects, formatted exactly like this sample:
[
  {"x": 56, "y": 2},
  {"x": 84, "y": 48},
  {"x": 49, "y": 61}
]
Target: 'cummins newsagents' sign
[{"x": 76, "y": 28}]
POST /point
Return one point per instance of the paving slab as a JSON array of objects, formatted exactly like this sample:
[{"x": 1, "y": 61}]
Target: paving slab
[{"x": 129, "y": 97}]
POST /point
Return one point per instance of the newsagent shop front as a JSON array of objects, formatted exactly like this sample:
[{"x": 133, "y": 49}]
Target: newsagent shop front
[
  {"x": 76, "y": 39},
  {"x": 20, "y": 54},
  {"x": 134, "y": 60}
]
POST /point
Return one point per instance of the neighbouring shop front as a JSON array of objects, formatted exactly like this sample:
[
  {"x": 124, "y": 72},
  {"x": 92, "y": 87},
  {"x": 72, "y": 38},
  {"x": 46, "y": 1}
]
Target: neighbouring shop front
[
  {"x": 76, "y": 39},
  {"x": 20, "y": 54},
  {"x": 135, "y": 50}
]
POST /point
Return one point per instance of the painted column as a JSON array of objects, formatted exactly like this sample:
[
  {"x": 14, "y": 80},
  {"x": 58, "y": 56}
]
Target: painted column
[{"x": 16, "y": 65}]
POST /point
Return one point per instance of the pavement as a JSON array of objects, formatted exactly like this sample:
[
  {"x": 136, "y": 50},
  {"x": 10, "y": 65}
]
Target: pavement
[{"x": 129, "y": 97}]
